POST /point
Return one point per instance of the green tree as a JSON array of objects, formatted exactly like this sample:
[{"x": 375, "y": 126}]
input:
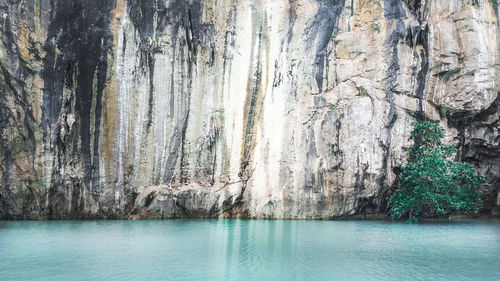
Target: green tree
[{"x": 430, "y": 183}]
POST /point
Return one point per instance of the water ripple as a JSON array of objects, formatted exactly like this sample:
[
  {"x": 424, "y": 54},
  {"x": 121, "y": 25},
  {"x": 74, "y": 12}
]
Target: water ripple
[{"x": 248, "y": 250}]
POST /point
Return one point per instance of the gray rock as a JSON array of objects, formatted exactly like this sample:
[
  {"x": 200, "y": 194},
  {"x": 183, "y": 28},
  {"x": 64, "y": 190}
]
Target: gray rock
[{"x": 253, "y": 109}]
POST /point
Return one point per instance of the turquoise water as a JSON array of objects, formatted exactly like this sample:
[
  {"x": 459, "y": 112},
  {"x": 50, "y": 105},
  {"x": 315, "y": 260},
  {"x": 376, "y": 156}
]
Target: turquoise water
[{"x": 249, "y": 250}]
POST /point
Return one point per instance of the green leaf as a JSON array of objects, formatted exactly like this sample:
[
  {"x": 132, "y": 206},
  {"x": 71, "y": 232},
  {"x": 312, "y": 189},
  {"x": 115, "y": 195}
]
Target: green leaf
[{"x": 430, "y": 183}]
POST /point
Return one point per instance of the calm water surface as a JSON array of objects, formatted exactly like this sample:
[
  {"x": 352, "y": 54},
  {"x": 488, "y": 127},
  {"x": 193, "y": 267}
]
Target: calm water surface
[{"x": 249, "y": 250}]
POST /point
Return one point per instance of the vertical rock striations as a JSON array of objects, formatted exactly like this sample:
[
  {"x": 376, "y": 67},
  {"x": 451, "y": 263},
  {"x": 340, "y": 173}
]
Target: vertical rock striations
[
  {"x": 236, "y": 108},
  {"x": 74, "y": 77}
]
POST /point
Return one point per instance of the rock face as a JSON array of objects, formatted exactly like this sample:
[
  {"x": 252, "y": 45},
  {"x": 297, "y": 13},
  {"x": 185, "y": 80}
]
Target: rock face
[{"x": 236, "y": 108}]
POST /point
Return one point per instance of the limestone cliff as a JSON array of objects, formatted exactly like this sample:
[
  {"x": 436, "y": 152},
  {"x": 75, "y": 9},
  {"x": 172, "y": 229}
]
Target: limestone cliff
[{"x": 236, "y": 108}]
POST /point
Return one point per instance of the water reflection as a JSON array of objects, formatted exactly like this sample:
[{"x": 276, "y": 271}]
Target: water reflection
[{"x": 248, "y": 250}]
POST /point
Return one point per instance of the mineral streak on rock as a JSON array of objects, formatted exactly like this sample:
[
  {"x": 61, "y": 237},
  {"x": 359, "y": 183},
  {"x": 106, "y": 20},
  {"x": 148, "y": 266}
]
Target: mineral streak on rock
[{"x": 236, "y": 108}]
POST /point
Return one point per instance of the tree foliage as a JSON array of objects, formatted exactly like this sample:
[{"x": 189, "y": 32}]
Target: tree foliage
[{"x": 430, "y": 183}]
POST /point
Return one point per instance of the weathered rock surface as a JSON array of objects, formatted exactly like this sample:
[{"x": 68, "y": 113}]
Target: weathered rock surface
[{"x": 236, "y": 108}]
